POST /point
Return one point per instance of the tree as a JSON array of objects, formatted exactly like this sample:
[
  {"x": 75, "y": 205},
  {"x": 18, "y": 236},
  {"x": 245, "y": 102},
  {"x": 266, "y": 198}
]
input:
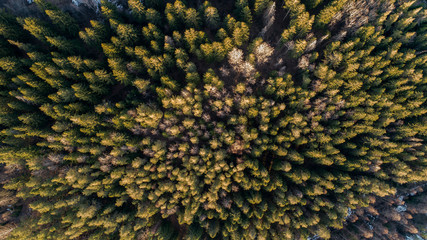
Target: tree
[
  {"x": 310, "y": 4},
  {"x": 243, "y": 11},
  {"x": 211, "y": 17},
  {"x": 63, "y": 21},
  {"x": 326, "y": 14},
  {"x": 63, "y": 44},
  {"x": 240, "y": 33},
  {"x": 138, "y": 9},
  {"x": 9, "y": 27},
  {"x": 127, "y": 34},
  {"x": 260, "y": 6},
  {"x": 37, "y": 28},
  {"x": 192, "y": 19},
  {"x": 95, "y": 35}
]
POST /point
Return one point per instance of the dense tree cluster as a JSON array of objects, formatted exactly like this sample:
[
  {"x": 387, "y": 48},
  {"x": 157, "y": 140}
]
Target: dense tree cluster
[{"x": 246, "y": 119}]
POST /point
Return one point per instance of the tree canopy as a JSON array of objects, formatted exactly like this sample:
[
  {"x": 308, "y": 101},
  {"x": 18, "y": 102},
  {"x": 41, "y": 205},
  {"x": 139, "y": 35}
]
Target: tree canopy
[{"x": 245, "y": 119}]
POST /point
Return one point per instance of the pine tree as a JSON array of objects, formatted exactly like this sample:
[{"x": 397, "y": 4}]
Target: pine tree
[
  {"x": 37, "y": 28},
  {"x": 138, "y": 9},
  {"x": 127, "y": 33},
  {"x": 211, "y": 17},
  {"x": 63, "y": 21},
  {"x": 326, "y": 14},
  {"x": 260, "y": 6},
  {"x": 192, "y": 19},
  {"x": 240, "y": 33}
]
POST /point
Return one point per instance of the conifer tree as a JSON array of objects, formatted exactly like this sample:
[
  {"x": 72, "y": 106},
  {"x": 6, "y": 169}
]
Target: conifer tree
[{"x": 212, "y": 17}]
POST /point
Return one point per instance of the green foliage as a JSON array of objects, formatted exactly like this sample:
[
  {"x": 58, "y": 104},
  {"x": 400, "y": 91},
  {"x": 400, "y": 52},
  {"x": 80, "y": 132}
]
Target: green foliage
[
  {"x": 260, "y": 6},
  {"x": 300, "y": 21},
  {"x": 179, "y": 120},
  {"x": 211, "y": 17},
  {"x": 326, "y": 14}
]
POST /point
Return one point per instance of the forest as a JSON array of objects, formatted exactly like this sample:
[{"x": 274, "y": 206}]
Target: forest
[{"x": 218, "y": 119}]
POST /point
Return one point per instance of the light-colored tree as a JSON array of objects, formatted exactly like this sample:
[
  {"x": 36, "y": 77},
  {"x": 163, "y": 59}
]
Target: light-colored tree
[
  {"x": 235, "y": 57},
  {"x": 263, "y": 53}
]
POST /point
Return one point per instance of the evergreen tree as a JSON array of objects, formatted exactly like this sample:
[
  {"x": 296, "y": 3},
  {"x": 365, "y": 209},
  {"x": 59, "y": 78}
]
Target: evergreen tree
[{"x": 211, "y": 17}]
